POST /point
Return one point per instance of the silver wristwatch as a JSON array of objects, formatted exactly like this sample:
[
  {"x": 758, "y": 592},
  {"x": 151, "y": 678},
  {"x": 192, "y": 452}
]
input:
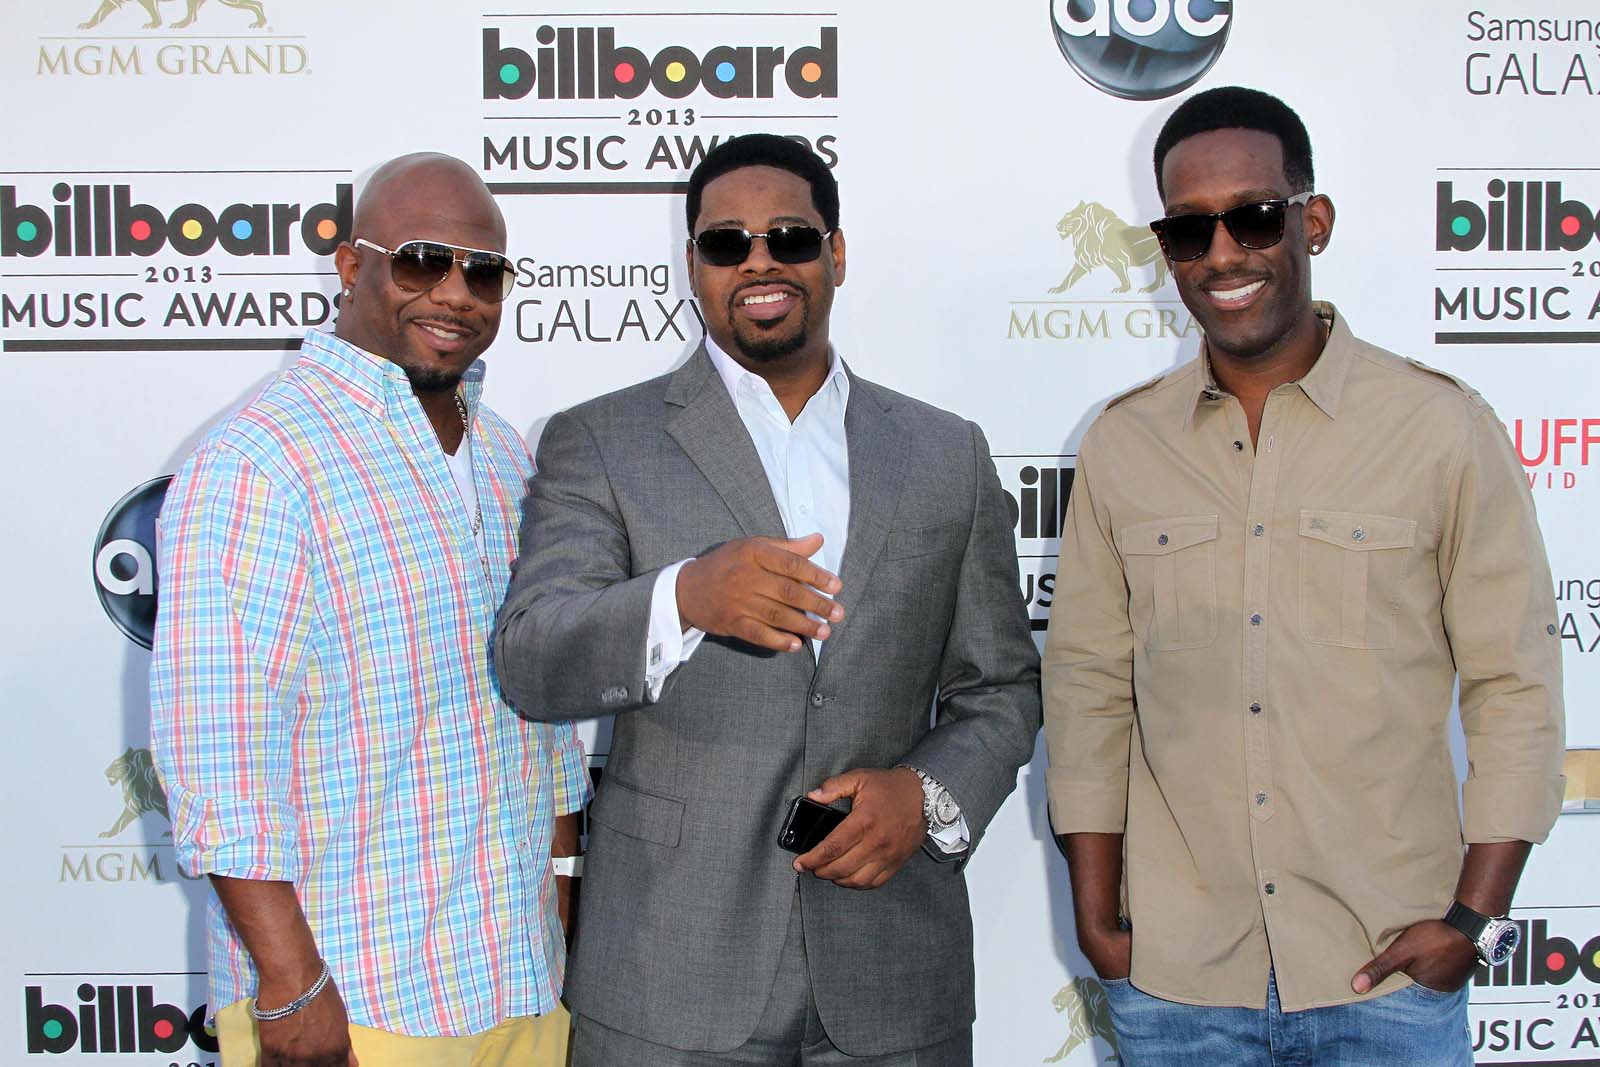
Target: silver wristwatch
[
  {"x": 1494, "y": 937},
  {"x": 938, "y": 806}
]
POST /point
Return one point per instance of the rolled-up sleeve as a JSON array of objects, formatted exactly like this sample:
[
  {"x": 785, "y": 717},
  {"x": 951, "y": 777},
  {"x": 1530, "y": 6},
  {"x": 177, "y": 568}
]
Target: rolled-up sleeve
[
  {"x": 1500, "y": 616},
  {"x": 230, "y": 647},
  {"x": 569, "y": 768},
  {"x": 1088, "y": 669}
]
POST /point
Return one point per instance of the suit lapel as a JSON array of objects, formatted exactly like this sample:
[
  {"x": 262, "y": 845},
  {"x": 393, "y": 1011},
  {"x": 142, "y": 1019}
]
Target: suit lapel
[
  {"x": 877, "y": 445},
  {"x": 708, "y": 429}
]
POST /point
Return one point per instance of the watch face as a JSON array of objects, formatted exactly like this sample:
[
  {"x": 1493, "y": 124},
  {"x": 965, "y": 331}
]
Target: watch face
[
  {"x": 1500, "y": 940},
  {"x": 946, "y": 811}
]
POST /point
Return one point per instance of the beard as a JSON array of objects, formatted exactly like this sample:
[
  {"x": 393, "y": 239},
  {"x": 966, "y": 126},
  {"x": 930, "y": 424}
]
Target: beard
[
  {"x": 762, "y": 348},
  {"x": 432, "y": 379},
  {"x": 763, "y": 342}
]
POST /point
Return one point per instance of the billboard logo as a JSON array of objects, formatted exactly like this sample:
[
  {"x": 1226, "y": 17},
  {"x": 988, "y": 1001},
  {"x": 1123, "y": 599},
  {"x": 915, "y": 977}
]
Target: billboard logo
[
  {"x": 106, "y": 1018},
  {"x": 1531, "y": 216},
  {"x": 124, "y": 561},
  {"x": 105, "y": 220},
  {"x": 586, "y": 63},
  {"x": 1037, "y": 489},
  {"x": 1141, "y": 49},
  {"x": 1545, "y": 959}
]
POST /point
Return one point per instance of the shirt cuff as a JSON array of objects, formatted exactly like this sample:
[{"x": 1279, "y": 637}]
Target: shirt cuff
[
  {"x": 668, "y": 645},
  {"x": 1090, "y": 800},
  {"x": 953, "y": 839},
  {"x": 570, "y": 781},
  {"x": 1510, "y": 808}
]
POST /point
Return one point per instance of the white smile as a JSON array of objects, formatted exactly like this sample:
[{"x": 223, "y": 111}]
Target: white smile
[
  {"x": 442, "y": 333},
  {"x": 770, "y": 298},
  {"x": 1236, "y": 296}
]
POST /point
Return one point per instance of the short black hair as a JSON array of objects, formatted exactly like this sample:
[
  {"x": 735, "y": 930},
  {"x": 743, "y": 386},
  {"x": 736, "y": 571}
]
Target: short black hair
[
  {"x": 1233, "y": 107},
  {"x": 766, "y": 150}
]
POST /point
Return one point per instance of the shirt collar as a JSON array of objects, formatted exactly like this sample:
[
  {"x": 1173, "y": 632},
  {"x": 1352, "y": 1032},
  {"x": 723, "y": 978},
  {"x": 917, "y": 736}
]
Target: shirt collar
[
  {"x": 372, "y": 381},
  {"x": 1323, "y": 384},
  {"x": 732, "y": 373}
]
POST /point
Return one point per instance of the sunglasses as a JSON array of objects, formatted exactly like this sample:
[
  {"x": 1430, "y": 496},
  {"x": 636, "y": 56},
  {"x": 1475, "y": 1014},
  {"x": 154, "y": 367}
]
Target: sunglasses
[
  {"x": 1255, "y": 226},
  {"x": 786, "y": 244},
  {"x": 418, "y": 266}
]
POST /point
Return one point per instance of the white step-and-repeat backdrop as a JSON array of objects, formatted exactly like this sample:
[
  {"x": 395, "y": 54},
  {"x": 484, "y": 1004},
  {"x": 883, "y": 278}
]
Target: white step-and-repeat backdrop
[{"x": 175, "y": 175}]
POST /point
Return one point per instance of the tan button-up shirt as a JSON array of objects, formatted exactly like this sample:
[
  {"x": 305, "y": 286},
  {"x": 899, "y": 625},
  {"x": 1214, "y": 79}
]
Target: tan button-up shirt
[{"x": 1251, "y": 657}]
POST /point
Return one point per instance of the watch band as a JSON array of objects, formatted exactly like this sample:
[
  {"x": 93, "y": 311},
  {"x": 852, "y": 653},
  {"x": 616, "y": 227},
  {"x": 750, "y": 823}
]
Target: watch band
[
  {"x": 567, "y": 866},
  {"x": 1469, "y": 922}
]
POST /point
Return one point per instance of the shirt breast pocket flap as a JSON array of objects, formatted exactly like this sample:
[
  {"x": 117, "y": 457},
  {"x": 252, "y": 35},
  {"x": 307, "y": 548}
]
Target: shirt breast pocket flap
[
  {"x": 636, "y": 813},
  {"x": 1352, "y": 568},
  {"x": 927, "y": 540},
  {"x": 1171, "y": 567}
]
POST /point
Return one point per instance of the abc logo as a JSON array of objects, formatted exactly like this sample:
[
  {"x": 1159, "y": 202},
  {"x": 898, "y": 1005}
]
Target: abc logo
[
  {"x": 1141, "y": 49},
  {"x": 124, "y": 561}
]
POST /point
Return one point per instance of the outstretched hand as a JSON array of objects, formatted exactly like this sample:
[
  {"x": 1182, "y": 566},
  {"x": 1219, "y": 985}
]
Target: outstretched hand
[{"x": 759, "y": 590}]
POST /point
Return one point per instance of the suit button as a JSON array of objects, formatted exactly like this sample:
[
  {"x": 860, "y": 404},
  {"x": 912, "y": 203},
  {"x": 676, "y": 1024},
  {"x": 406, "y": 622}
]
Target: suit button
[{"x": 816, "y": 700}]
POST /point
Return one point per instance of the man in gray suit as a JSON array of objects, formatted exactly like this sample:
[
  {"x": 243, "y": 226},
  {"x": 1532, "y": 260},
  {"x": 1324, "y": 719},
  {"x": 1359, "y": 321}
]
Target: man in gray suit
[{"x": 773, "y": 570}]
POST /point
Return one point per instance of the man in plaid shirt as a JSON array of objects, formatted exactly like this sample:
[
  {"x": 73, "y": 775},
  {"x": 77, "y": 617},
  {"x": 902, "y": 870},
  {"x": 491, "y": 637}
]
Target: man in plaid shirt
[{"x": 376, "y": 821}]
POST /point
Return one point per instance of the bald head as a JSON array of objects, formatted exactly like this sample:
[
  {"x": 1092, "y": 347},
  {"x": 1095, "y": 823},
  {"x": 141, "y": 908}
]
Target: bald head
[
  {"x": 407, "y": 184},
  {"x": 433, "y": 334}
]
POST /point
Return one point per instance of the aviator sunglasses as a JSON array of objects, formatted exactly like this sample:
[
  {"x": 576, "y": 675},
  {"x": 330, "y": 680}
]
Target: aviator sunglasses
[
  {"x": 730, "y": 247},
  {"x": 417, "y": 266},
  {"x": 1254, "y": 226}
]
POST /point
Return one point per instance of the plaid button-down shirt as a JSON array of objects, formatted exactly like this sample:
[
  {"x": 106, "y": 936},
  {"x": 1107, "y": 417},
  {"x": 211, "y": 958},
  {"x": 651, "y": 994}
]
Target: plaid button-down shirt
[{"x": 324, "y": 710}]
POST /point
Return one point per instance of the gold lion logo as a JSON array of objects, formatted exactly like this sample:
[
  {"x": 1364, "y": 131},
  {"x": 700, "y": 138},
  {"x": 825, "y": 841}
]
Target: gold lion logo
[
  {"x": 1101, "y": 239},
  {"x": 108, "y": 6},
  {"x": 1083, "y": 1001},
  {"x": 135, "y": 772}
]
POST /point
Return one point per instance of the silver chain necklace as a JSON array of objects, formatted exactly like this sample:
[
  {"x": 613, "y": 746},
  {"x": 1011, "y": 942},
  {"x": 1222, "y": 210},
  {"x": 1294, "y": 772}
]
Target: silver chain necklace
[{"x": 477, "y": 504}]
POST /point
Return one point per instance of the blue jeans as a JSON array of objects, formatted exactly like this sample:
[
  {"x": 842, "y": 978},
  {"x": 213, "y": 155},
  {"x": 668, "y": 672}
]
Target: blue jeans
[{"x": 1415, "y": 1027}]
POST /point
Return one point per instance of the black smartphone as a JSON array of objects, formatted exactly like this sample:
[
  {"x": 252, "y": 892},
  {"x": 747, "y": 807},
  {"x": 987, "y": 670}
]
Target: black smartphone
[{"x": 807, "y": 824}]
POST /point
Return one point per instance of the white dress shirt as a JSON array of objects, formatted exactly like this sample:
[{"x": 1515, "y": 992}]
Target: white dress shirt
[{"x": 807, "y": 463}]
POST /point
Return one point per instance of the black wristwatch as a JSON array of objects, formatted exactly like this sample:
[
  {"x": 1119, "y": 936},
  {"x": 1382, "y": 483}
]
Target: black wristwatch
[{"x": 1494, "y": 938}]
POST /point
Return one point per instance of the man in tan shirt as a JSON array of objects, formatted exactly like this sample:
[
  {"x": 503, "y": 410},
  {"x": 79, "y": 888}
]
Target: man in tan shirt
[{"x": 1277, "y": 560}]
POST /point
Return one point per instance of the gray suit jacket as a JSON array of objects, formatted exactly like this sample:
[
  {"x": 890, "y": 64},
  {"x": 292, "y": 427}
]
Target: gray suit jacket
[{"x": 686, "y": 893}]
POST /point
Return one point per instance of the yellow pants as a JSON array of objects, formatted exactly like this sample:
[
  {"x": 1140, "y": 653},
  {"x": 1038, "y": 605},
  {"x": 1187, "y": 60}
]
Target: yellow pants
[{"x": 528, "y": 1041}]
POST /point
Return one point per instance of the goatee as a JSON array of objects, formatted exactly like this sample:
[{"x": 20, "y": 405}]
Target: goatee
[
  {"x": 432, "y": 379},
  {"x": 769, "y": 349}
]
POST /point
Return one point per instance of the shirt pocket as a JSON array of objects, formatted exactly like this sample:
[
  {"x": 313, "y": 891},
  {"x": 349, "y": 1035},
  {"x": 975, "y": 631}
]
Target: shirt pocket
[
  {"x": 1171, "y": 565},
  {"x": 1352, "y": 568}
]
